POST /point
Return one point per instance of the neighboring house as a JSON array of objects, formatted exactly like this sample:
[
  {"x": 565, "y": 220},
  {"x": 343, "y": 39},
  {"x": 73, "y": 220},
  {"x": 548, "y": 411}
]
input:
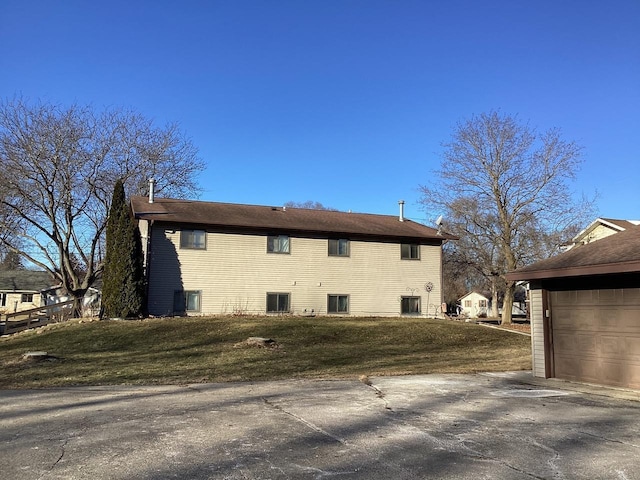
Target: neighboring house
[
  {"x": 518, "y": 310},
  {"x": 474, "y": 305},
  {"x": 600, "y": 228},
  {"x": 585, "y": 312},
  {"x": 22, "y": 289},
  {"x": 204, "y": 258},
  {"x": 90, "y": 303}
]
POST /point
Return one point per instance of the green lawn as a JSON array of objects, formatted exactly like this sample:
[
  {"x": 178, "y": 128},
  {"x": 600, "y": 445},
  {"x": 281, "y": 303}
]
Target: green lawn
[{"x": 193, "y": 350}]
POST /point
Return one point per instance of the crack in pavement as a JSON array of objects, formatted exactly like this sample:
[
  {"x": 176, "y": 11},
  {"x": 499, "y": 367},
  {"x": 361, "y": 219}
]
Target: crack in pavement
[
  {"x": 312, "y": 426},
  {"x": 555, "y": 456},
  {"x": 319, "y": 473},
  {"x": 455, "y": 443},
  {"x": 607, "y": 439},
  {"x": 62, "y": 452},
  {"x": 58, "y": 460},
  {"x": 324, "y": 473}
]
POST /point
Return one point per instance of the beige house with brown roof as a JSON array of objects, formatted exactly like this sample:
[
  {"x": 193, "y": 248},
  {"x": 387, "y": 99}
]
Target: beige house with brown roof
[
  {"x": 601, "y": 228},
  {"x": 22, "y": 289},
  {"x": 206, "y": 258}
]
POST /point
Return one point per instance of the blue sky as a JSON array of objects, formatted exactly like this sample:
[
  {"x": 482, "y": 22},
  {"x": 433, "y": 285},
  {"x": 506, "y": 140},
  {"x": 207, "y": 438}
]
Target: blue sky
[{"x": 344, "y": 102}]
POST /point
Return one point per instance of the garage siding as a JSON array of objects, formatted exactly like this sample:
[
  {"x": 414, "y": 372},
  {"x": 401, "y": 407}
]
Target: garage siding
[
  {"x": 596, "y": 336},
  {"x": 537, "y": 333}
]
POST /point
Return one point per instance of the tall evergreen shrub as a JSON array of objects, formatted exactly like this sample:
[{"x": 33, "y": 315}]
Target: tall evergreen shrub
[{"x": 123, "y": 289}]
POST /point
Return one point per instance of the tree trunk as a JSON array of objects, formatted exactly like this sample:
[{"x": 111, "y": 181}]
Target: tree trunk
[
  {"x": 77, "y": 307},
  {"x": 507, "y": 304},
  {"x": 494, "y": 299},
  {"x": 77, "y": 295}
]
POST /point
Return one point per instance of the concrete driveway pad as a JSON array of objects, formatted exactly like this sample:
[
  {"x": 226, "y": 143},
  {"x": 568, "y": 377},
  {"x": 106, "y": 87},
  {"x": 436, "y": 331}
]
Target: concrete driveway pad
[{"x": 485, "y": 426}]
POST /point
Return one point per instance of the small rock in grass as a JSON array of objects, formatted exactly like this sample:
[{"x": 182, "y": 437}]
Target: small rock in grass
[
  {"x": 261, "y": 342},
  {"x": 38, "y": 356}
]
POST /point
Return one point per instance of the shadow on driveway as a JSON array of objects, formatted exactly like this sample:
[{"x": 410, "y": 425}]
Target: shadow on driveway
[{"x": 412, "y": 427}]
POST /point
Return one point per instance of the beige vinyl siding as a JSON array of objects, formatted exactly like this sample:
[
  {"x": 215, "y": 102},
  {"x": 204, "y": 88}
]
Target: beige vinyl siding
[
  {"x": 235, "y": 273},
  {"x": 537, "y": 333},
  {"x": 14, "y": 303},
  {"x": 601, "y": 231}
]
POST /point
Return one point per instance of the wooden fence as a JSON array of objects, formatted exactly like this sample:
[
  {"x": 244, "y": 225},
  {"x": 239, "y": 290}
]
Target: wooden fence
[{"x": 35, "y": 317}]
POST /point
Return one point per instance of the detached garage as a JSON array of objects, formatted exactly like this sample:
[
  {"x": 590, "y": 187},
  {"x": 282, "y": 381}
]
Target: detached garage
[{"x": 585, "y": 312}]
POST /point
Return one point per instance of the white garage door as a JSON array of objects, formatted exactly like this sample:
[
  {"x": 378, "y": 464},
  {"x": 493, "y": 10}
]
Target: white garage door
[{"x": 596, "y": 336}]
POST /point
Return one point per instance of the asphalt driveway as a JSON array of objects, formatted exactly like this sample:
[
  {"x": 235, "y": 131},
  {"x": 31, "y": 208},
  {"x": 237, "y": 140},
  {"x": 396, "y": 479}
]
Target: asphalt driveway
[{"x": 414, "y": 427}]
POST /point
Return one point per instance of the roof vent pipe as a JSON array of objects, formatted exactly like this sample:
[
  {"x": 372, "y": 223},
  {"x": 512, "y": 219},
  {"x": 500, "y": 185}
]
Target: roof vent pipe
[
  {"x": 152, "y": 188},
  {"x": 401, "y": 203}
]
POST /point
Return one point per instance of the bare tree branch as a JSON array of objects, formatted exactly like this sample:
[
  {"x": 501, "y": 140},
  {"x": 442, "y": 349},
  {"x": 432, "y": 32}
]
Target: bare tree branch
[
  {"x": 505, "y": 191},
  {"x": 58, "y": 168}
]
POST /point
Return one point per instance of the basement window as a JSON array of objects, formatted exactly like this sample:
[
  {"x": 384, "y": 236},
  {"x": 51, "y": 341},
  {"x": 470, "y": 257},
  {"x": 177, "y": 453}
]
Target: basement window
[
  {"x": 187, "y": 301},
  {"x": 337, "y": 303},
  {"x": 277, "y": 302},
  {"x": 410, "y": 306}
]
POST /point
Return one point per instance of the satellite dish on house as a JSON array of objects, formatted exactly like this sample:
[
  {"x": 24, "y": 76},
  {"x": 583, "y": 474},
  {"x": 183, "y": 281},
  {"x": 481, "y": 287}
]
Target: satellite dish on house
[{"x": 439, "y": 223}]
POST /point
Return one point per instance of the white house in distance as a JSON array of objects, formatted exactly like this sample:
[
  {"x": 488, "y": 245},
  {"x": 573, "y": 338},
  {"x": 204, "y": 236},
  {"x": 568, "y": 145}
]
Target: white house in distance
[
  {"x": 474, "y": 305},
  {"x": 207, "y": 258}
]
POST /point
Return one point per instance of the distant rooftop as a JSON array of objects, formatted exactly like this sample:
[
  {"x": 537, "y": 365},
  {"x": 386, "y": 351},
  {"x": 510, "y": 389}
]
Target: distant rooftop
[
  {"x": 24, "y": 280},
  {"x": 619, "y": 253}
]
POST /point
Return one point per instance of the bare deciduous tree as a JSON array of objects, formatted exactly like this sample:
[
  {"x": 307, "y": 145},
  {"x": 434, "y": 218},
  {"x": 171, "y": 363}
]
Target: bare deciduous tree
[
  {"x": 309, "y": 204},
  {"x": 58, "y": 168},
  {"x": 504, "y": 190}
]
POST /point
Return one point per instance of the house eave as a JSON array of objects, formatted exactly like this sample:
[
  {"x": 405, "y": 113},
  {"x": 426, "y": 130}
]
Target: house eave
[
  {"x": 242, "y": 229},
  {"x": 576, "y": 271}
]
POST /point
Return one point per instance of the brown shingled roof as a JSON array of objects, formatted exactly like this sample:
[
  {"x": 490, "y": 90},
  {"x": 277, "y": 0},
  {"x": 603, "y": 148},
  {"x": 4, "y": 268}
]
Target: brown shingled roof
[
  {"x": 279, "y": 218},
  {"x": 619, "y": 253},
  {"x": 24, "y": 280},
  {"x": 623, "y": 224}
]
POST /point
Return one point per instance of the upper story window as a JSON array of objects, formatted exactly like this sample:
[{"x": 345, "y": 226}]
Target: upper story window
[
  {"x": 186, "y": 301},
  {"x": 278, "y": 244},
  {"x": 482, "y": 303},
  {"x": 339, "y": 247},
  {"x": 193, "y": 239},
  {"x": 410, "y": 251}
]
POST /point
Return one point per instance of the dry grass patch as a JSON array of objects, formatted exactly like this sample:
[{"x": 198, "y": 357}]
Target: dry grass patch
[{"x": 194, "y": 350}]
